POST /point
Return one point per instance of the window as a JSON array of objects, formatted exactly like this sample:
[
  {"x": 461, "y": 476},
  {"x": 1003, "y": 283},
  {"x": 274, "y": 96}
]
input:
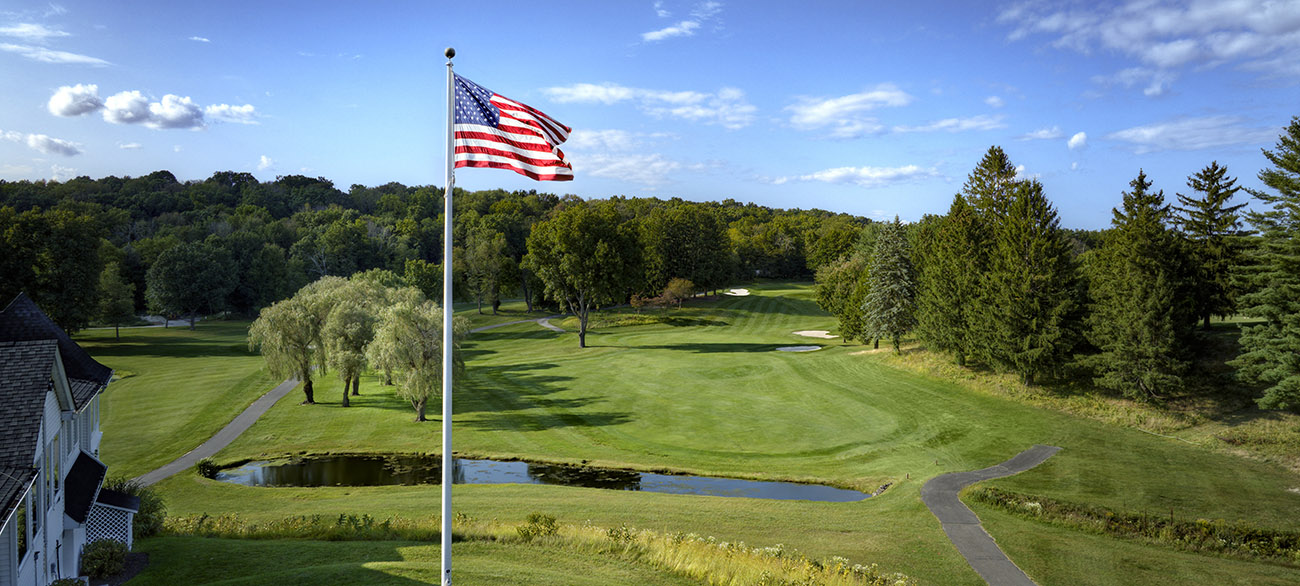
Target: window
[
  {"x": 38, "y": 499},
  {"x": 56, "y": 465},
  {"x": 21, "y": 517}
]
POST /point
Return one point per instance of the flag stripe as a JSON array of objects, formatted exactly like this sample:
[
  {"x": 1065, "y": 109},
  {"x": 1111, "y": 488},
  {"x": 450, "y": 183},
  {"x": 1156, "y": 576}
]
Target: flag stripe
[
  {"x": 492, "y": 131},
  {"x": 531, "y": 171}
]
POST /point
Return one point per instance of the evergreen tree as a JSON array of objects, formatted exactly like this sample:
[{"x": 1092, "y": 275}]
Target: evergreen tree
[
  {"x": 1271, "y": 350},
  {"x": 1212, "y": 228},
  {"x": 1141, "y": 320},
  {"x": 948, "y": 284},
  {"x": 991, "y": 185},
  {"x": 989, "y": 189},
  {"x": 889, "y": 310},
  {"x": 1031, "y": 293}
]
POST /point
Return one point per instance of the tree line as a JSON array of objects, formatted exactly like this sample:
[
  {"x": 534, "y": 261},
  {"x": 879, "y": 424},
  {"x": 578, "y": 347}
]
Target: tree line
[
  {"x": 997, "y": 283},
  {"x": 105, "y": 250}
]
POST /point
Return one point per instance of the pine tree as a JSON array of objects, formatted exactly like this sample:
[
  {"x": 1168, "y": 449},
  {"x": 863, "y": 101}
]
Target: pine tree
[
  {"x": 1271, "y": 350},
  {"x": 1213, "y": 230},
  {"x": 989, "y": 189},
  {"x": 1031, "y": 288},
  {"x": 990, "y": 186},
  {"x": 1140, "y": 318},
  {"x": 949, "y": 285},
  {"x": 889, "y": 310}
]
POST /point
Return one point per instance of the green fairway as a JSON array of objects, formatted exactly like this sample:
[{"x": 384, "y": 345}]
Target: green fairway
[
  {"x": 174, "y": 389},
  {"x": 702, "y": 390}
]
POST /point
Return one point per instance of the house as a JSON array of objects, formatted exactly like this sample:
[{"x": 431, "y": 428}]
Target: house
[{"x": 51, "y": 500}]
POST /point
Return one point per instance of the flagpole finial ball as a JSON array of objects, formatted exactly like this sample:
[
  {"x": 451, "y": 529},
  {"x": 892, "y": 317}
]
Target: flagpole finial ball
[{"x": 450, "y": 52}]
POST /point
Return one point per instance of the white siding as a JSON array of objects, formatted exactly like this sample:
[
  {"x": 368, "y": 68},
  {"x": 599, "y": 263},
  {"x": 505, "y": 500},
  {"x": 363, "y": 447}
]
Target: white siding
[{"x": 8, "y": 554}]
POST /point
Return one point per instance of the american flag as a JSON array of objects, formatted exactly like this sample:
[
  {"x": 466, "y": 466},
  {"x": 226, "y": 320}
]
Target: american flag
[{"x": 496, "y": 132}]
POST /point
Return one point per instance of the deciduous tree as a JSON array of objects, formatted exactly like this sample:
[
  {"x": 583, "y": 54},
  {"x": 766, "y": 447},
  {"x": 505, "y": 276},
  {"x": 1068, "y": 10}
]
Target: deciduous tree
[
  {"x": 116, "y": 299},
  {"x": 408, "y": 342},
  {"x": 585, "y": 257}
]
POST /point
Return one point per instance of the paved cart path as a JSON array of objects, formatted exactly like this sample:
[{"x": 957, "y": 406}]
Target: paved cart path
[
  {"x": 963, "y": 527},
  {"x": 222, "y": 438},
  {"x": 250, "y": 415}
]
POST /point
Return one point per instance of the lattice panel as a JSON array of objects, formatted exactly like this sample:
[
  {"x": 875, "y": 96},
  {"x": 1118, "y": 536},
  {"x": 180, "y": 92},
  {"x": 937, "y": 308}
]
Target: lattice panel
[{"x": 109, "y": 523}]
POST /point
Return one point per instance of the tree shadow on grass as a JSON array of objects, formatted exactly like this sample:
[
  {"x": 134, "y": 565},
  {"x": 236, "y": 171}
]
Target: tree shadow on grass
[
  {"x": 716, "y": 347},
  {"x": 522, "y": 398}
]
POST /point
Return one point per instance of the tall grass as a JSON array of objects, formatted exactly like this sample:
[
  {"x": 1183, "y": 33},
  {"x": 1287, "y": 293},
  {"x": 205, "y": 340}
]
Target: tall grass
[{"x": 697, "y": 557}]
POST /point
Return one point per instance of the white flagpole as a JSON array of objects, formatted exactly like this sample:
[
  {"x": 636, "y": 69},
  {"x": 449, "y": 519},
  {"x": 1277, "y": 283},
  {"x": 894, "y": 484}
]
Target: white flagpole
[{"x": 447, "y": 460}]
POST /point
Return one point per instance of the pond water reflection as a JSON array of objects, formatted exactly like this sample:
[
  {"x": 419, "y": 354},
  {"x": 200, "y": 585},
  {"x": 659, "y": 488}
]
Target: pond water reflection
[{"x": 378, "y": 470}]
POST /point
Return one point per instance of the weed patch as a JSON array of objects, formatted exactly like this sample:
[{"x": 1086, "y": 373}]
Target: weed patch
[{"x": 1240, "y": 540}]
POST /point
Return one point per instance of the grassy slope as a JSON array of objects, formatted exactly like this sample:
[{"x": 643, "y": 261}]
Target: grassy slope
[
  {"x": 176, "y": 389},
  {"x": 713, "y": 398},
  {"x": 192, "y": 560}
]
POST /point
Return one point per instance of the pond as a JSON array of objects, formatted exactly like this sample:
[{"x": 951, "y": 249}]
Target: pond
[{"x": 378, "y": 470}]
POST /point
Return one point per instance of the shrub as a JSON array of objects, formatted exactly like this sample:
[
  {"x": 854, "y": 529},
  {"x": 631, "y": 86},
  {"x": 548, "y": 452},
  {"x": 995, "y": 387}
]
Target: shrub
[
  {"x": 103, "y": 558},
  {"x": 538, "y": 525},
  {"x": 207, "y": 468},
  {"x": 68, "y": 582},
  {"x": 153, "y": 512}
]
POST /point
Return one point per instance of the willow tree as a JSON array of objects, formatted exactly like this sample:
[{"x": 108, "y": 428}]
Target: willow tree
[
  {"x": 287, "y": 333},
  {"x": 408, "y": 343}
]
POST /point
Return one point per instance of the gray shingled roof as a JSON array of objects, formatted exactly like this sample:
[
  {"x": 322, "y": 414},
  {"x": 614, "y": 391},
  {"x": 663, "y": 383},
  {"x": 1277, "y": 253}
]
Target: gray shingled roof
[
  {"x": 13, "y": 482},
  {"x": 25, "y": 378},
  {"x": 23, "y": 321}
]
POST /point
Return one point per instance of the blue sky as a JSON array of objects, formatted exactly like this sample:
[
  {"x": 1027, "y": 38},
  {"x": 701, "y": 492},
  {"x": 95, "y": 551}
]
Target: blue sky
[{"x": 872, "y": 108}]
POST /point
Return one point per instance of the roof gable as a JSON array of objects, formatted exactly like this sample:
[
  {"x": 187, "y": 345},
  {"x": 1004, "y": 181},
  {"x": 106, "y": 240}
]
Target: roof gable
[
  {"x": 23, "y": 321},
  {"x": 26, "y": 373}
]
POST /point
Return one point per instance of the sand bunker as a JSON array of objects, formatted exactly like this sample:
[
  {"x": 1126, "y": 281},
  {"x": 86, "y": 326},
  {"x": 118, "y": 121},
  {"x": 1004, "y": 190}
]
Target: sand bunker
[
  {"x": 798, "y": 348},
  {"x": 824, "y": 334},
  {"x": 738, "y": 292}
]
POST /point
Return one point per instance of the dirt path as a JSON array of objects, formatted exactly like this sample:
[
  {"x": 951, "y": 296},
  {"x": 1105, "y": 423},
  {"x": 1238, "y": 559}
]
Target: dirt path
[{"x": 963, "y": 527}]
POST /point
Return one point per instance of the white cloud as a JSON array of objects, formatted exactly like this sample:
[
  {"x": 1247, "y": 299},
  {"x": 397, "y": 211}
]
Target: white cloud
[
  {"x": 9, "y": 170},
  {"x": 55, "y": 10},
  {"x": 1042, "y": 134},
  {"x": 980, "y": 122},
  {"x": 727, "y": 107},
  {"x": 701, "y": 14},
  {"x": 201, "y": 39},
  {"x": 175, "y": 112},
  {"x": 132, "y": 107},
  {"x": 43, "y": 143},
  {"x": 1166, "y": 35},
  {"x": 1190, "y": 134},
  {"x": 177, "y": 148},
  {"x": 1156, "y": 81},
  {"x": 608, "y": 140},
  {"x": 51, "y": 56},
  {"x": 868, "y": 177},
  {"x": 60, "y": 173},
  {"x": 31, "y": 32},
  {"x": 264, "y": 163},
  {"x": 844, "y": 116},
  {"x": 245, "y": 114},
  {"x": 684, "y": 28},
  {"x": 644, "y": 169},
  {"x": 995, "y": 101},
  {"x": 53, "y": 146},
  {"x": 585, "y": 93},
  {"x": 1078, "y": 141},
  {"x": 130, "y": 146},
  {"x": 75, "y": 100},
  {"x": 660, "y": 11},
  {"x": 1074, "y": 166},
  {"x": 129, "y": 107}
]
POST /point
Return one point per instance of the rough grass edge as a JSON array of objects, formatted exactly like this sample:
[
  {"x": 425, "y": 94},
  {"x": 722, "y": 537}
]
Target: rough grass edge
[
  {"x": 693, "y": 556},
  {"x": 1239, "y": 540}
]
